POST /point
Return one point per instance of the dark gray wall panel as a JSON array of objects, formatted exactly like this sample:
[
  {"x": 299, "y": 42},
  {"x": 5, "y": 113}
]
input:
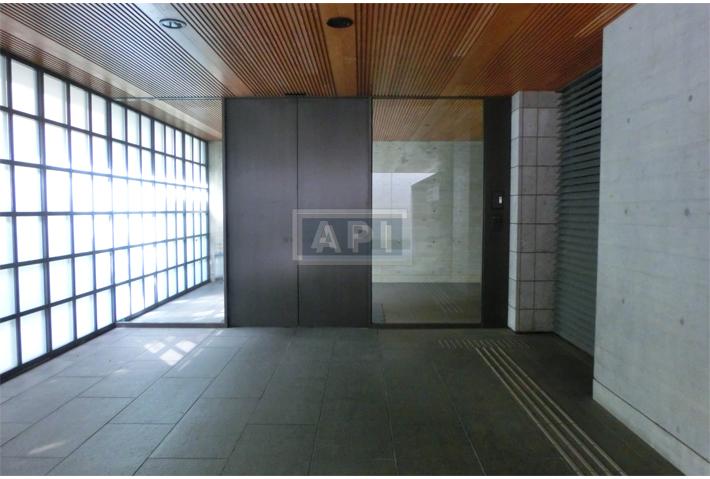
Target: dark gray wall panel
[
  {"x": 580, "y": 143},
  {"x": 334, "y": 171},
  {"x": 260, "y": 162}
]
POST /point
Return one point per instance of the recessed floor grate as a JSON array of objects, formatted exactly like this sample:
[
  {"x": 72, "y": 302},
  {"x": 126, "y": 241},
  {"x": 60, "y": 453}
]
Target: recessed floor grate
[{"x": 473, "y": 344}]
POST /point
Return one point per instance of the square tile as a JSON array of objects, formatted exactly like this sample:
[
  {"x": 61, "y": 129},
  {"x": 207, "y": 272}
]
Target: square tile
[{"x": 181, "y": 467}]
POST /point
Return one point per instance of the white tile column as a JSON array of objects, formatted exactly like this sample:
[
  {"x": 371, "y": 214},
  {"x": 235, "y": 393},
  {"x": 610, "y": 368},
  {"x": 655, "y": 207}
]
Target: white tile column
[{"x": 534, "y": 176}]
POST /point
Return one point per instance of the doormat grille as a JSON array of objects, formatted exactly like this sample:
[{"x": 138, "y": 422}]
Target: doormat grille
[{"x": 473, "y": 344}]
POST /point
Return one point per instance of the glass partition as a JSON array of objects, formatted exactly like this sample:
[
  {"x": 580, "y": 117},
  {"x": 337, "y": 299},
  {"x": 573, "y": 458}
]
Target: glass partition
[
  {"x": 92, "y": 228},
  {"x": 427, "y": 161}
]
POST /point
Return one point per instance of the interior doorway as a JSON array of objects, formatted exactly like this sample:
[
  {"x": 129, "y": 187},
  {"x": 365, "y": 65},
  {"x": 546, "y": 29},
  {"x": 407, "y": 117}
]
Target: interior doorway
[{"x": 427, "y": 161}]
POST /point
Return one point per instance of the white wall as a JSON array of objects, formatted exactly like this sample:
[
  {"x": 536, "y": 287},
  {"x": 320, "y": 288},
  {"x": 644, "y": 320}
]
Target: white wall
[
  {"x": 216, "y": 206},
  {"x": 652, "y": 360}
]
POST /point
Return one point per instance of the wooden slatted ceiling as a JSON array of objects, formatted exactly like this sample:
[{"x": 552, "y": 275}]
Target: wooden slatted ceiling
[
  {"x": 427, "y": 120},
  {"x": 274, "y": 49}
]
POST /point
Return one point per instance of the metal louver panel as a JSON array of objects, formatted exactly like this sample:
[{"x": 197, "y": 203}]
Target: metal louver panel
[{"x": 576, "y": 284}]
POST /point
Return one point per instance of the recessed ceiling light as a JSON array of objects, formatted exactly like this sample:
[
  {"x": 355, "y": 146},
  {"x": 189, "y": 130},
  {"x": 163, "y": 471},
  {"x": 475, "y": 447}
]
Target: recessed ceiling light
[
  {"x": 172, "y": 23},
  {"x": 339, "y": 22}
]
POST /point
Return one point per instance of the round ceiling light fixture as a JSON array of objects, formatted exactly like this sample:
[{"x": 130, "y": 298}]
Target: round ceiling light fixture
[
  {"x": 339, "y": 22},
  {"x": 172, "y": 23}
]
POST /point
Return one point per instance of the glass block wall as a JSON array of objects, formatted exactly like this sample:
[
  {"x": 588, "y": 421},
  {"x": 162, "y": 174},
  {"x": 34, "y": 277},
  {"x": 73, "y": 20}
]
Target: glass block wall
[{"x": 103, "y": 213}]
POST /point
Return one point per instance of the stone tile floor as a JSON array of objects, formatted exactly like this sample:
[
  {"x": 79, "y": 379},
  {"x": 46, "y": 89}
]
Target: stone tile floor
[
  {"x": 166, "y": 401},
  {"x": 202, "y": 305}
]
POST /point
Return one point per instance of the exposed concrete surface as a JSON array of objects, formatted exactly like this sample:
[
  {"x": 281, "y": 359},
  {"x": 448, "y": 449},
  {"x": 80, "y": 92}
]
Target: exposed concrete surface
[{"x": 652, "y": 359}]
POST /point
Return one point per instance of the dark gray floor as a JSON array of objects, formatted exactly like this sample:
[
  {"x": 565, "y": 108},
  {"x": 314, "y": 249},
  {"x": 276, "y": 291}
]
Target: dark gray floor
[
  {"x": 426, "y": 303},
  {"x": 302, "y": 401}
]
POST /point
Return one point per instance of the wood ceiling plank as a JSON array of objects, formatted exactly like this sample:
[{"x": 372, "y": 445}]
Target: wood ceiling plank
[
  {"x": 342, "y": 47},
  {"x": 53, "y": 48},
  {"x": 188, "y": 38}
]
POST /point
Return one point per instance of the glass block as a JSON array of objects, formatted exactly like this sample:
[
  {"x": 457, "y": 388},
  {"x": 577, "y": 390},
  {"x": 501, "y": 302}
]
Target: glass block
[
  {"x": 190, "y": 275},
  {"x": 159, "y": 167},
  {"x": 33, "y": 336},
  {"x": 148, "y": 259},
  {"x": 7, "y": 286},
  {"x": 56, "y": 146},
  {"x": 203, "y": 177},
  {"x": 136, "y": 254},
  {"x": 135, "y": 228},
  {"x": 205, "y": 244},
  {"x": 60, "y": 279},
  {"x": 172, "y": 282},
  {"x": 62, "y": 324},
  {"x": 5, "y": 189},
  {"x": 203, "y": 153},
  {"x": 135, "y": 194},
  {"x": 180, "y": 225},
  {"x": 170, "y": 230},
  {"x": 120, "y": 195},
  {"x": 82, "y": 192},
  {"x": 133, "y": 127},
  {"x": 158, "y": 136},
  {"x": 4, "y": 137},
  {"x": 170, "y": 169},
  {"x": 27, "y": 189},
  {"x": 145, "y": 132},
  {"x": 103, "y": 232},
  {"x": 85, "y": 316},
  {"x": 149, "y": 291},
  {"x": 98, "y": 115},
  {"x": 118, "y": 159},
  {"x": 180, "y": 171},
  {"x": 104, "y": 309},
  {"x": 196, "y": 150},
  {"x": 188, "y": 174},
  {"x": 58, "y": 191},
  {"x": 83, "y": 233},
  {"x": 180, "y": 251},
  {"x": 8, "y": 345},
  {"x": 120, "y": 230},
  {"x": 134, "y": 162},
  {"x": 172, "y": 256},
  {"x": 161, "y": 261},
  {"x": 103, "y": 269},
  {"x": 148, "y": 228},
  {"x": 24, "y": 88},
  {"x": 169, "y": 140},
  {"x": 6, "y": 240},
  {"x": 146, "y": 165},
  {"x": 137, "y": 303},
  {"x": 80, "y": 151},
  {"x": 79, "y": 107},
  {"x": 161, "y": 286},
  {"x": 55, "y": 99},
  {"x": 99, "y": 154},
  {"x": 31, "y": 282},
  {"x": 123, "y": 301},
  {"x": 189, "y": 250},
  {"x": 178, "y": 144},
  {"x": 29, "y": 238},
  {"x": 189, "y": 224},
  {"x": 3, "y": 82},
  {"x": 147, "y": 196},
  {"x": 84, "y": 274},
  {"x": 102, "y": 193},
  {"x": 188, "y": 147},
  {"x": 159, "y": 197},
  {"x": 59, "y": 234},
  {"x": 121, "y": 265},
  {"x": 25, "y": 135},
  {"x": 160, "y": 227},
  {"x": 181, "y": 279},
  {"x": 198, "y": 272},
  {"x": 118, "y": 121}
]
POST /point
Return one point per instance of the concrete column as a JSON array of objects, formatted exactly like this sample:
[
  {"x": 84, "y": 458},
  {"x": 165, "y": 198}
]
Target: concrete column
[
  {"x": 216, "y": 206},
  {"x": 652, "y": 351},
  {"x": 534, "y": 175}
]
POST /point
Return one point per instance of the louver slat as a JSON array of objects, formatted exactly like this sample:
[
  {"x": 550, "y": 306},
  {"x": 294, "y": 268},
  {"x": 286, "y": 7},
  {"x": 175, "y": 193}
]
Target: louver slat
[{"x": 576, "y": 282}]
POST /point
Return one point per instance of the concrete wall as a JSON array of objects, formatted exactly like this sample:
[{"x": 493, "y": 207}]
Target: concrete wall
[
  {"x": 216, "y": 207},
  {"x": 652, "y": 360},
  {"x": 440, "y": 184},
  {"x": 534, "y": 175}
]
